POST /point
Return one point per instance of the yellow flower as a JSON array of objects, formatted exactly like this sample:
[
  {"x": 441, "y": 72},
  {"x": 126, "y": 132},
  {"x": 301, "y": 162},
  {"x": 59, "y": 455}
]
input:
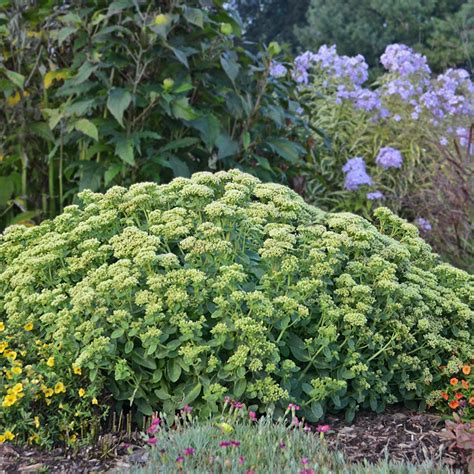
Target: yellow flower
[
  {"x": 73, "y": 438},
  {"x": 17, "y": 370},
  {"x": 2, "y": 439},
  {"x": 161, "y": 20},
  {"x": 226, "y": 428},
  {"x": 15, "y": 98},
  {"x": 34, "y": 438},
  {"x": 50, "y": 362},
  {"x": 37, "y": 422},
  {"x": 16, "y": 389},
  {"x": 3, "y": 346},
  {"x": 59, "y": 388},
  {"x": 9, "y": 435},
  {"x": 9, "y": 375},
  {"x": 77, "y": 370},
  {"x": 2, "y": 326},
  {"x": 28, "y": 326},
  {"x": 82, "y": 392},
  {"x": 94, "y": 401},
  {"x": 48, "y": 401},
  {"x": 48, "y": 392},
  {"x": 9, "y": 400},
  {"x": 10, "y": 355}
]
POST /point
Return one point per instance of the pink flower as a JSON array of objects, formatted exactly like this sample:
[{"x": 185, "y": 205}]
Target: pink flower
[
  {"x": 180, "y": 459},
  {"x": 304, "y": 461},
  {"x": 235, "y": 443},
  {"x": 250, "y": 472},
  {"x": 224, "y": 444},
  {"x": 152, "y": 441},
  {"x": 323, "y": 428},
  {"x": 252, "y": 416},
  {"x": 227, "y": 400},
  {"x": 237, "y": 405},
  {"x": 307, "y": 471},
  {"x": 186, "y": 409},
  {"x": 241, "y": 459},
  {"x": 282, "y": 445},
  {"x": 307, "y": 428},
  {"x": 189, "y": 451},
  {"x": 293, "y": 406},
  {"x": 153, "y": 426},
  {"x": 295, "y": 421}
]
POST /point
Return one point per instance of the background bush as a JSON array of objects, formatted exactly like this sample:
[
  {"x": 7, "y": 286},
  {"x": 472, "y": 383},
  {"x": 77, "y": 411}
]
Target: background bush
[
  {"x": 161, "y": 296},
  {"x": 99, "y": 93}
]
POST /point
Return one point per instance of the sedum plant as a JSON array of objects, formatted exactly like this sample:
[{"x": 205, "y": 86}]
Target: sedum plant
[{"x": 158, "y": 296}]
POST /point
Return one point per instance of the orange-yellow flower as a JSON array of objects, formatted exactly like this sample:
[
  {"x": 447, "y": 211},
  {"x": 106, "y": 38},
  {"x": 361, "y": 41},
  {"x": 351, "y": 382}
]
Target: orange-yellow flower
[
  {"x": 48, "y": 392},
  {"x": 3, "y": 346},
  {"x": 28, "y": 326},
  {"x": 9, "y": 435},
  {"x": 17, "y": 370},
  {"x": 81, "y": 392},
  {"x": 50, "y": 362},
  {"x": 471, "y": 401},
  {"x": 445, "y": 395},
  {"x": 459, "y": 396},
  {"x": 2, "y": 439},
  {"x": 16, "y": 389},
  {"x": 76, "y": 370},
  {"x": 10, "y": 355},
  {"x": 9, "y": 400},
  {"x": 2, "y": 326},
  {"x": 454, "y": 381},
  {"x": 466, "y": 370},
  {"x": 94, "y": 401},
  {"x": 453, "y": 404},
  {"x": 465, "y": 384}
]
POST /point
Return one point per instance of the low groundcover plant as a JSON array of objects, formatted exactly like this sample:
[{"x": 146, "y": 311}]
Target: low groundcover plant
[{"x": 154, "y": 297}]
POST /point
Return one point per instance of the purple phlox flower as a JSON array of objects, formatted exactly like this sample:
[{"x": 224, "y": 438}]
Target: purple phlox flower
[
  {"x": 374, "y": 195},
  {"x": 403, "y": 60},
  {"x": 389, "y": 157},
  {"x": 397, "y": 118},
  {"x": 356, "y": 174},
  {"x": 189, "y": 451},
  {"x": 423, "y": 224},
  {"x": 277, "y": 69},
  {"x": 323, "y": 428},
  {"x": 152, "y": 441},
  {"x": 443, "y": 141}
]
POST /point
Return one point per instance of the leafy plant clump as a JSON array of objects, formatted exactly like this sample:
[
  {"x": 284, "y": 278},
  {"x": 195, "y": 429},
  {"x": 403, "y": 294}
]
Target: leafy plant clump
[{"x": 158, "y": 296}]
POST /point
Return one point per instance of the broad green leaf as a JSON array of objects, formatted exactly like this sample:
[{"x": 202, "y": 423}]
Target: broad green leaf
[
  {"x": 317, "y": 410},
  {"x": 118, "y": 6},
  {"x": 230, "y": 65},
  {"x": 226, "y": 146},
  {"x": 84, "y": 73},
  {"x": 24, "y": 217},
  {"x": 209, "y": 128},
  {"x": 41, "y": 129},
  {"x": 64, "y": 33},
  {"x": 182, "y": 110},
  {"x": 124, "y": 149},
  {"x": 298, "y": 348},
  {"x": 192, "y": 394},
  {"x": 194, "y": 16},
  {"x": 143, "y": 406},
  {"x": 15, "y": 77},
  {"x": 6, "y": 190},
  {"x": 87, "y": 128},
  {"x": 180, "y": 56},
  {"x": 179, "y": 167},
  {"x": 111, "y": 173},
  {"x": 180, "y": 143},
  {"x": 173, "y": 369},
  {"x": 289, "y": 151},
  {"x": 117, "y": 102}
]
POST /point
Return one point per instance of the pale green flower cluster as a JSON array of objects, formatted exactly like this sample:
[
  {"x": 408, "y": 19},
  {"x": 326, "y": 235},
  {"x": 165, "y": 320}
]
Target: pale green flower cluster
[{"x": 222, "y": 285}]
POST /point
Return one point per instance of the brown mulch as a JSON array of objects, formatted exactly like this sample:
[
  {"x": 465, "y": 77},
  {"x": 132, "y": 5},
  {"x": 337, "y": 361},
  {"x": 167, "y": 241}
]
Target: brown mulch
[{"x": 397, "y": 434}]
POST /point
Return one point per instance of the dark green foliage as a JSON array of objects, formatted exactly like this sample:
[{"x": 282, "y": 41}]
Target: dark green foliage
[{"x": 100, "y": 93}]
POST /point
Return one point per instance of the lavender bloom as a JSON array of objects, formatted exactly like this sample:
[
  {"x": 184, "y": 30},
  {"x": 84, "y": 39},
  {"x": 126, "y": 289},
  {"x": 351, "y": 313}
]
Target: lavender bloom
[
  {"x": 403, "y": 60},
  {"x": 356, "y": 175},
  {"x": 423, "y": 224},
  {"x": 373, "y": 196},
  {"x": 277, "y": 70},
  {"x": 443, "y": 141},
  {"x": 389, "y": 158}
]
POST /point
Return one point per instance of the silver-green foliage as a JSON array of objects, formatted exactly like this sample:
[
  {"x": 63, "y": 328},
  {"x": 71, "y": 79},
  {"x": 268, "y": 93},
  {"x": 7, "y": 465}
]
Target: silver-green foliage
[{"x": 222, "y": 285}]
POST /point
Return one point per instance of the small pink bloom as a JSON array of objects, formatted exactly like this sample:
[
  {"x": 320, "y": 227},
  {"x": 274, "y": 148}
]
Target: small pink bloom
[
  {"x": 189, "y": 451},
  {"x": 307, "y": 428},
  {"x": 250, "y": 472},
  {"x": 224, "y": 444},
  {"x": 323, "y": 428},
  {"x": 241, "y": 459},
  {"x": 307, "y": 471},
  {"x": 293, "y": 406},
  {"x": 187, "y": 409},
  {"x": 304, "y": 461},
  {"x": 252, "y": 416},
  {"x": 180, "y": 459},
  {"x": 295, "y": 421},
  {"x": 152, "y": 441},
  {"x": 282, "y": 445},
  {"x": 235, "y": 443},
  {"x": 238, "y": 405}
]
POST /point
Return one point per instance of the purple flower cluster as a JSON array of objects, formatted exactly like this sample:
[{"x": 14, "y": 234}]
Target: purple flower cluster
[
  {"x": 404, "y": 61},
  {"x": 389, "y": 157},
  {"x": 277, "y": 70},
  {"x": 423, "y": 224},
  {"x": 356, "y": 174},
  {"x": 375, "y": 195}
]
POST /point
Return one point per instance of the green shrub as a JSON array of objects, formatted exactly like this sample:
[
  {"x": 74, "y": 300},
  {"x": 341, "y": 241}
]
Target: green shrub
[
  {"x": 160, "y": 296},
  {"x": 99, "y": 93}
]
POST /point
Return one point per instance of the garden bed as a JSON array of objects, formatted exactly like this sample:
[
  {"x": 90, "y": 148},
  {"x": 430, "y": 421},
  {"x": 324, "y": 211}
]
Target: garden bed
[{"x": 397, "y": 434}]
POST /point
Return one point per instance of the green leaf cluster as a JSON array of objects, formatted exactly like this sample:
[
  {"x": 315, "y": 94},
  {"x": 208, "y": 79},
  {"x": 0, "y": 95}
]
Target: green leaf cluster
[{"x": 166, "y": 295}]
